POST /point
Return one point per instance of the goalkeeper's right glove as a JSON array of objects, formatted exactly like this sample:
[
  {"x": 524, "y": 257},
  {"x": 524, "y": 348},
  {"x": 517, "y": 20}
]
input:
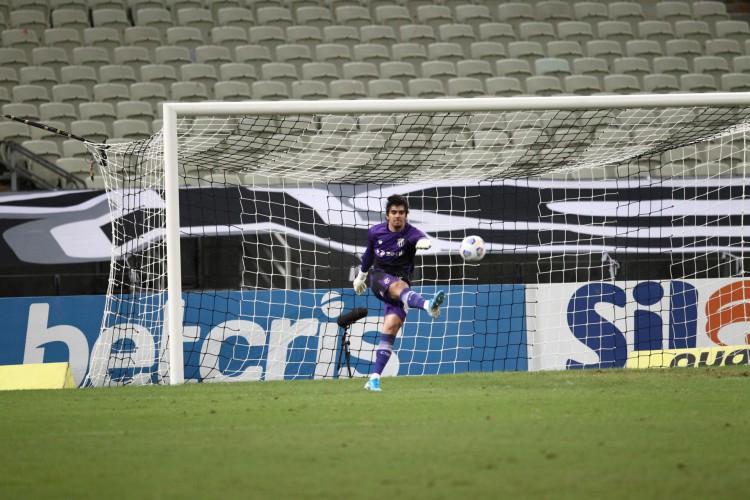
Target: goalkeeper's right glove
[{"x": 359, "y": 283}]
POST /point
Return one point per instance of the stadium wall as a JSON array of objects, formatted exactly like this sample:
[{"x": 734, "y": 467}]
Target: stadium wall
[{"x": 582, "y": 325}]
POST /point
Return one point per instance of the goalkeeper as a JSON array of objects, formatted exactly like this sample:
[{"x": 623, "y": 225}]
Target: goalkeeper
[{"x": 391, "y": 246}]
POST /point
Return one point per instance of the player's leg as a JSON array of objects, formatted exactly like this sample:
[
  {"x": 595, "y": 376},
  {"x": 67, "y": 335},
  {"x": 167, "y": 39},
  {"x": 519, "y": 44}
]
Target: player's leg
[
  {"x": 392, "y": 322},
  {"x": 401, "y": 291}
]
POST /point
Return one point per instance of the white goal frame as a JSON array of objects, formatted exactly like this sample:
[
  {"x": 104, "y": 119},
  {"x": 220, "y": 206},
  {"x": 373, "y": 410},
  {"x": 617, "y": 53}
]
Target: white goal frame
[{"x": 172, "y": 111}]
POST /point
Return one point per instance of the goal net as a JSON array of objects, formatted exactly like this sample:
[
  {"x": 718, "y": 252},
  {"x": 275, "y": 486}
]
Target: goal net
[{"x": 237, "y": 230}]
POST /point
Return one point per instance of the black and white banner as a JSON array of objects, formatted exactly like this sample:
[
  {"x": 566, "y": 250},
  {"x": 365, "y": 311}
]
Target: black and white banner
[{"x": 512, "y": 216}]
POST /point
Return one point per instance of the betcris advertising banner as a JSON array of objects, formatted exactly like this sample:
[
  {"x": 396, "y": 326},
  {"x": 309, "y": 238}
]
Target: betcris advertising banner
[
  {"x": 272, "y": 334},
  {"x": 639, "y": 324}
]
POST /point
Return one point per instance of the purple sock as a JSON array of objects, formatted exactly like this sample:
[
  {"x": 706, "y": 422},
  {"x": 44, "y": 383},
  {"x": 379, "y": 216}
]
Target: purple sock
[
  {"x": 412, "y": 298},
  {"x": 383, "y": 352}
]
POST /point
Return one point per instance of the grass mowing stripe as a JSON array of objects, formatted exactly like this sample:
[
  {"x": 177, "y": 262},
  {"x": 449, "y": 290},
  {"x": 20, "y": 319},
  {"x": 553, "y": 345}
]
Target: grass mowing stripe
[{"x": 620, "y": 433}]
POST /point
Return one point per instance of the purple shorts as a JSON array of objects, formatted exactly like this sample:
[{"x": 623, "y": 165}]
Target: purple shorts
[{"x": 380, "y": 281}]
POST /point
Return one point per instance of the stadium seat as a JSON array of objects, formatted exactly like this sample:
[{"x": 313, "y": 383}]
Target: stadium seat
[
  {"x": 710, "y": 11},
  {"x": 636, "y": 66},
  {"x": 698, "y": 82},
  {"x": 401, "y": 71},
  {"x": 516, "y": 68},
  {"x": 543, "y": 85},
  {"x": 461, "y": 34},
  {"x": 629, "y": 12},
  {"x": 694, "y": 30},
  {"x": 497, "y": 32},
  {"x": 426, "y": 88},
  {"x": 269, "y": 90},
  {"x": 435, "y": 15},
  {"x": 232, "y": 91},
  {"x": 379, "y": 34},
  {"x": 15, "y": 131},
  {"x": 473, "y": 15},
  {"x": 320, "y": 72},
  {"x": 172, "y": 55},
  {"x": 74, "y": 19},
  {"x": 4, "y": 96},
  {"x": 503, "y": 86},
  {"x": 8, "y": 77},
  {"x": 371, "y": 52},
  {"x": 257, "y": 55},
  {"x": 347, "y": 89},
  {"x": 335, "y": 53},
  {"x": 474, "y": 68},
  {"x": 711, "y": 65},
  {"x": 159, "y": 19},
  {"x": 95, "y": 57},
  {"x": 733, "y": 30},
  {"x": 515, "y": 13},
  {"x": 537, "y": 31},
  {"x": 111, "y": 92},
  {"x": 46, "y": 149},
  {"x": 582, "y": 85},
  {"x": 28, "y": 19},
  {"x": 463, "y": 86},
  {"x": 146, "y": 37},
  {"x": 38, "y": 75},
  {"x": 215, "y": 55},
  {"x": 609, "y": 50},
  {"x": 564, "y": 49},
  {"x": 23, "y": 110},
  {"x": 110, "y": 18},
  {"x": 618, "y": 31},
  {"x": 445, "y": 51},
  {"x": 152, "y": 92},
  {"x": 346, "y": 35},
  {"x": 280, "y": 72},
  {"x": 199, "y": 72},
  {"x": 656, "y": 31},
  {"x": 621, "y": 84},
  {"x": 392, "y": 15},
  {"x": 63, "y": 38},
  {"x": 689, "y": 49},
  {"x": 18, "y": 38},
  {"x": 132, "y": 56},
  {"x": 160, "y": 73},
  {"x": 237, "y": 72},
  {"x": 31, "y": 94},
  {"x": 590, "y": 12},
  {"x": 50, "y": 57},
  {"x": 723, "y": 47},
  {"x": 307, "y": 36},
  {"x": 117, "y": 73},
  {"x": 91, "y": 130},
  {"x": 741, "y": 64},
  {"x": 417, "y": 33},
  {"x": 386, "y": 88},
  {"x": 647, "y": 49},
  {"x": 136, "y": 5},
  {"x": 131, "y": 129},
  {"x": 103, "y": 112},
  {"x": 414, "y": 53},
  {"x": 240, "y": 17},
  {"x": 279, "y": 17},
  {"x": 670, "y": 65},
  {"x": 293, "y": 53},
  {"x": 527, "y": 51},
  {"x": 202, "y": 19},
  {"x": 660, "y": 84},
  {"x": 488, "y": 51},
  {"x": 440, "y": 70},
  {"x": 735, "y": 82},
  {"x": 182, "y": 36},
  {"x": 361, "y": 71},
  {"x": 309, "y": 90},
  {"x": 188, "y": 91},
  {"x": 267, "y": 36},
  {"x": 552, "y": 66},
  {"x": 591, "y": 66},
  {"x": 353, "y": 15},
  {"x": 314, "y": 15},
  {"x": 84, "y": 76},
  {"x": 553, "y": 11},
  {"x": 107, "y": 38},
  {"x": 673, "y": 11}
]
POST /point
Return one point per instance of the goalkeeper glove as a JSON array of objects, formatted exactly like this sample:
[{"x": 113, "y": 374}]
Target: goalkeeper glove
[
  {"x": 359, "y": 283},
  {"x": 423, "y": 244}
]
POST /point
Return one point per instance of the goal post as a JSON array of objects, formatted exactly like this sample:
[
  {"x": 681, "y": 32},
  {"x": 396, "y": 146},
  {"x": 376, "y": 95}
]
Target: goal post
[{"x": 552, "y": 184}]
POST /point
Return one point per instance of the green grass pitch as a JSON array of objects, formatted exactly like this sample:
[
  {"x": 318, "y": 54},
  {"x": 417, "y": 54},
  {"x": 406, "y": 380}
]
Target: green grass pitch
[{"x": 679, "y": 433}]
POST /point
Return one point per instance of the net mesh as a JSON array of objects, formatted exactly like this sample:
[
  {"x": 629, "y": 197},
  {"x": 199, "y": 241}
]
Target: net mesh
[{"x": 274, "y": 212}]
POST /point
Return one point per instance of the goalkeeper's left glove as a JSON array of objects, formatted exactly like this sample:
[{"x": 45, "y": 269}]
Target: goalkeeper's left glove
[
  {"x": 359, "y": 283},
  {"x": 423, "y": 244}
]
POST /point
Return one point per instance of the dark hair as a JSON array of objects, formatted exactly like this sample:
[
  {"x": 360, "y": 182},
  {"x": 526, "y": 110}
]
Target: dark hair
[{"x": 398, "y": 200}]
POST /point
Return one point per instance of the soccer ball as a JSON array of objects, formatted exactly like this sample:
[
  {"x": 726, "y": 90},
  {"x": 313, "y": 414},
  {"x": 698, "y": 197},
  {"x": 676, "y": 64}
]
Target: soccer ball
[{"x": 472, "y": 249}]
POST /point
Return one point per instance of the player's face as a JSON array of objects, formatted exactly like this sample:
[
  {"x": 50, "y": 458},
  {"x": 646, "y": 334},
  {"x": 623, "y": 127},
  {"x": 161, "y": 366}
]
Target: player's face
[{"x": 396, "y": 218}]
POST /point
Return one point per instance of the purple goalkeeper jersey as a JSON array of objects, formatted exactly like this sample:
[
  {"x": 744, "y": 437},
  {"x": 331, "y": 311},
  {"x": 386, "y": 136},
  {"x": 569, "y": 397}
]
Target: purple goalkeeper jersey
[{"x": 393, "y": 252}]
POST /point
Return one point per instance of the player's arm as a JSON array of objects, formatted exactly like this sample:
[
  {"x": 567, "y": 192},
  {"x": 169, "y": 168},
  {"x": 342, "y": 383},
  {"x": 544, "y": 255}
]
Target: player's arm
[{"x": 360, "y": 281}]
